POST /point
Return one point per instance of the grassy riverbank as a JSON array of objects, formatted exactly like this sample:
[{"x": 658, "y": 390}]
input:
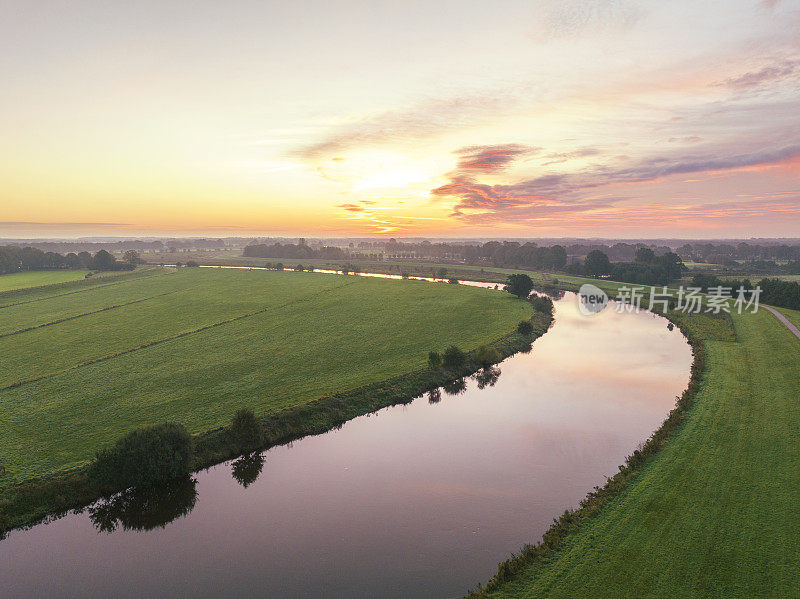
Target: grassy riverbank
[
  {"x": 715, "y": 512},
  {"x": 194, "y": 345}
]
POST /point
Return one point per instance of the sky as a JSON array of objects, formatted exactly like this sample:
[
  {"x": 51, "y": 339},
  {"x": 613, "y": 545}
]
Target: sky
[{"x": 538, "y": 118}]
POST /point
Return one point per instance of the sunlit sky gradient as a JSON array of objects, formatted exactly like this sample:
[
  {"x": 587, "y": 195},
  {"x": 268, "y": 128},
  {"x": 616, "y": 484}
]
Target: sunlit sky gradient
[{"x": 544, "y": 118}]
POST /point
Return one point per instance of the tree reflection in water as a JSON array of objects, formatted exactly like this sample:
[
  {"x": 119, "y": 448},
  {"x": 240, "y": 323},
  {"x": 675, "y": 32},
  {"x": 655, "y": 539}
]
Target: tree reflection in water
[
  {"x": 487, "y": 376},
  {"x": 145, "y": 508},
  {"x": 434, "y": 395},
  {"x": 456, "y": 387},
  {"x": 246, "y": 469}
]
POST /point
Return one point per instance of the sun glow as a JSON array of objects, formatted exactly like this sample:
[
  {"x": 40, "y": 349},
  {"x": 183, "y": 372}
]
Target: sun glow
[{"x": 379, "y": 170}]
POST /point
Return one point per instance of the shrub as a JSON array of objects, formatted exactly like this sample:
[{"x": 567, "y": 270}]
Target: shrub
[
  {"x": 192, "y": 264},
  {"x": 542, "y": 304},
  {"x": 453, "y": 358},
  {"x": 298, "y": 268},
  {"x": 434, "y": 359},
  {"x": 246, "y": 429},
  {"x": 452, "y": 281},
  {"x": 144, "y": 457},
  {"x": 525, "y": 327},
  {"x": 485, "y": 355},
  {"x": 279, "y": 266}
]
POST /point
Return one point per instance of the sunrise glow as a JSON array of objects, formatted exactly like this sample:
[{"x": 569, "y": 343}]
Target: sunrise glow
[{"x": 537, "y": 119}]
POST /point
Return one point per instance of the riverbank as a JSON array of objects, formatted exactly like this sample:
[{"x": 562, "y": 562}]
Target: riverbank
[
  {"x": 32, "y": 500},
  {"x": 707, "y": 507}
]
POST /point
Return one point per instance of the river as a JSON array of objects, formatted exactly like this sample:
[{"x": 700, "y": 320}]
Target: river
[{"x": 417, "y": 500}]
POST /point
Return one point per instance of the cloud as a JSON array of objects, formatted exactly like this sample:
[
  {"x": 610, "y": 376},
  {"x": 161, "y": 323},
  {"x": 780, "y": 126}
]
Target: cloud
[
  {"x": 769, "y": 4},
  {"x": 543, "y": 196},
  {"x": 691, "y": 139},
  {"x": 558, "y": 157},
  {"x": 570, "y": 193},
  {"x": 706, "y": 216},
  {"x": 351, "y": 207},
  {"x": 488, "y": 159},
  {"x": 360, "y": 207},
  {"x": 780, "y": 71},
  {"x": 424, "y": 119},
  {"x": 571, "y": 18},
  {"x": 67, "y": 226},
  {"x": 660, "y": 167}
]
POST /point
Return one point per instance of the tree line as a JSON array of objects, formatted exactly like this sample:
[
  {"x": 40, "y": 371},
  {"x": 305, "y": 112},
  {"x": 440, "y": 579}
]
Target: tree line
[
  {"x": 775, "y": 292},
  {"x": 646, "y": 268},
  {"x": 290, "y": 250},
  {"x": 16, "y": 259},
  {"x": 171, "y": 244}
]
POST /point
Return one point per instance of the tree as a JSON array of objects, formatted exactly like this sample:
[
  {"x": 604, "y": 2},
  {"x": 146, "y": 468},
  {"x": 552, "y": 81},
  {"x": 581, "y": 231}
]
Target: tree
[
  {"x": 246, "y": 429},
  {"x": 520, "y": 285},
  {"x": 132, "y": 257},
  {"x": 453, "y": 358},
  {"x": 557, "y": 257},
  {"x": 434, "y": 359},
  {"x": 441, "y": 273},
  {"x": 597, "y": 263},
  {"x": 645, "y": 255},
  {"x": 72, "y": 260},
  {"x": 192, "y": 264},
  {"x": 144, "y": 457},
  {"x": 103, "y": 261}
]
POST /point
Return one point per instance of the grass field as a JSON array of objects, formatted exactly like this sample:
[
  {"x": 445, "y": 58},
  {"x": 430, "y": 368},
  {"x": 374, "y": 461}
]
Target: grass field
[
  {"x": 38, "y": 278},
  {"x": 717, "y": 512},
  {"x": 86, "y": 364}
]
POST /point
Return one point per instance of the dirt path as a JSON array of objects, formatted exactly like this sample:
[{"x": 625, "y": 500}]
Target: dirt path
[{"x": 784, "y": 320}]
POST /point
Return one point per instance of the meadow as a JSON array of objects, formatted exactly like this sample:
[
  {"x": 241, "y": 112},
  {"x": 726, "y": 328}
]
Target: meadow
[
  {"x": 716, "y": 512},
  {"x": 38, "y": 278},
  {"x": 88, "y": 361}
]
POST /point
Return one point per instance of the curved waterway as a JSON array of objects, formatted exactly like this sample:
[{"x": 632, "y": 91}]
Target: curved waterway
[{"x": 417, "y": 500}]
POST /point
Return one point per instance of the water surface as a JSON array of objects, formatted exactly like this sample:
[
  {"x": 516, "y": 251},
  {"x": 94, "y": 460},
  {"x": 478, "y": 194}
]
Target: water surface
[{"x": 419, "y": 500}]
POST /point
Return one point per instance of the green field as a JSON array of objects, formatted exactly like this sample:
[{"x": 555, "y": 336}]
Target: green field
[
  {"x": 717, "y": 512},
  {"x": 85, "y": 364},
  {"x": 38, "y": 278}
]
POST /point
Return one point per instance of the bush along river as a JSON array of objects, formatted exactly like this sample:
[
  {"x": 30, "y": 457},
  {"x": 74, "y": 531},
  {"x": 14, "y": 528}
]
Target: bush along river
[{"x": 415, "y": 500}]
